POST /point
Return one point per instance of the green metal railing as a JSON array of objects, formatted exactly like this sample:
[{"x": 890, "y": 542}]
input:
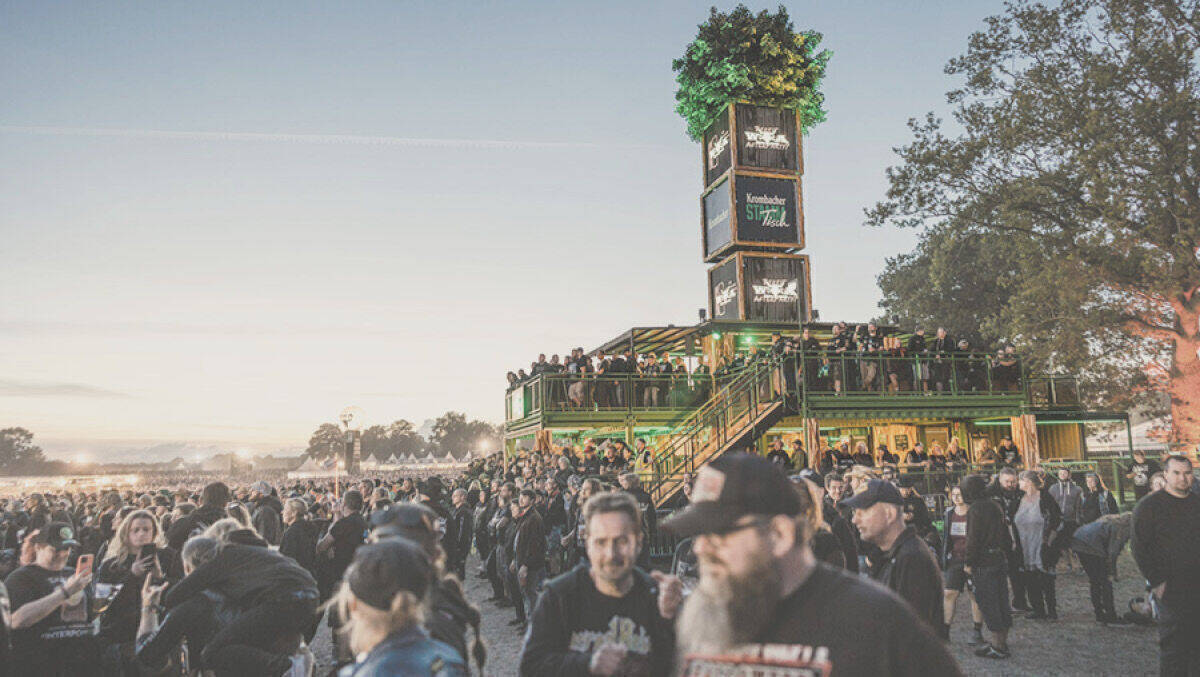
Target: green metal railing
[
  {"x": 723, "y": 419},
  {"x": 825, "y": 373},
  {"x": 619, "y": 393}
]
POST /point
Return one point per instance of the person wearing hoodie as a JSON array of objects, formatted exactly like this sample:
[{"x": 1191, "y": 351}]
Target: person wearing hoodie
[
  {"x": 267, "y": 511},
  {"x": 277, "y": 600},
  {"x": 986, "y": 558},
  {"x": 1097, "y": 544},
  {"x": 213, "y": 500}
]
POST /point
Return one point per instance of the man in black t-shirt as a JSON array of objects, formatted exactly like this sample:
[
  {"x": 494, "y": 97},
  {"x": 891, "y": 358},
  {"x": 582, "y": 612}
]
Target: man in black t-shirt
[
  {"x": 605, "y": 616},
  {"x": 1140, "y": 471},
  {"x": 347, "y": 532},
  {"x": 52, "y": 633},
  {"x": 764, "y": 601}
]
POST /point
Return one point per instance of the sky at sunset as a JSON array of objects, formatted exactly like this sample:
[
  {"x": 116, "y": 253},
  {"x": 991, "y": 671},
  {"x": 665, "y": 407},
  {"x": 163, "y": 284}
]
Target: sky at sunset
[{"x": 222, "y": 222}]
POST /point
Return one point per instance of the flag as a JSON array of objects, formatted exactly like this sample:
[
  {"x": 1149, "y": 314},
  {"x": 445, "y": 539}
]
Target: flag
[{"x": 329, "y": 462}]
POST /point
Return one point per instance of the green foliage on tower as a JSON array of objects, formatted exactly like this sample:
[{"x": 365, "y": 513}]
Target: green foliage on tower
[{"x": 741, "y": 56}]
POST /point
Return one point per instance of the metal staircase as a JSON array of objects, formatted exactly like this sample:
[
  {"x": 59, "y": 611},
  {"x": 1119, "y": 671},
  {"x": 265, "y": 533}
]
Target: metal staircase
[{"x": 734, "y": 417}]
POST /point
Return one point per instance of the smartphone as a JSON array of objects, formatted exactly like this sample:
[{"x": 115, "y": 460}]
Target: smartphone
[
  {"x": 84, "y": 564},
  {"x": 147, "y": 550}
]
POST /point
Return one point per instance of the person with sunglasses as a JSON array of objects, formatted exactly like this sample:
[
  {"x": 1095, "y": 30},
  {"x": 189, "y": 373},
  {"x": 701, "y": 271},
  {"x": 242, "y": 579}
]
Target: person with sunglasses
[{"x": 764, "y": 602}]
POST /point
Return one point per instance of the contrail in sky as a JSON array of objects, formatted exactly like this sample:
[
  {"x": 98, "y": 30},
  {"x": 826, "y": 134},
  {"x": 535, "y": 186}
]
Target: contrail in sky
[{"x": 329, "y": 139}]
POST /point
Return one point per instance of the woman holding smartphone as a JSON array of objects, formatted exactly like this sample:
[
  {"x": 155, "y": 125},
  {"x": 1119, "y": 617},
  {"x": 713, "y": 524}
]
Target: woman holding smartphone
[{"x": 136, "y": 551}]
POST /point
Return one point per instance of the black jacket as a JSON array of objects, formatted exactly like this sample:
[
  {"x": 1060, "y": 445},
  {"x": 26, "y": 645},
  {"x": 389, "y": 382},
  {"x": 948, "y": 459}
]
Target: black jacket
[
  {"x": 564, "y": 629},
  {"x": 245, "y": 575},
  {"x": 267, "y": 519},
  {"x": 464, "y": 527},
  {"x": 299, "y": 542},
  {"x": 199, "y": 520},
  {"x": 1166, "y": 546},
  {"x": 529, "y": 541},
  {"x": 911, "y": 570}
]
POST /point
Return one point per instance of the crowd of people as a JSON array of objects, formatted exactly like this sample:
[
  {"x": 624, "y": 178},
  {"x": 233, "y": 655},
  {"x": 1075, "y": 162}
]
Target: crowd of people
[
  {"x": 860, "y": 360},
  {"x": 770, "y": 568}
]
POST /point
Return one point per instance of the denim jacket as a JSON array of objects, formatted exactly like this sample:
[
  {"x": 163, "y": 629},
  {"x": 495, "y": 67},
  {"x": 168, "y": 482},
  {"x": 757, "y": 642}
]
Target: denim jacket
[{"x": 408, "y": 652}]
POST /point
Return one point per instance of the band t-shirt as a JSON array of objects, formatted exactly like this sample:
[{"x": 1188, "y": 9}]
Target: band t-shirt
[
  {"x": 806, "y": 636},
  {"x": 956, "y": 531},
  {"x": 62, "y": 641}
]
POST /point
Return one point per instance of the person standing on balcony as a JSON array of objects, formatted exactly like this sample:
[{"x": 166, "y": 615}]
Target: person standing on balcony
[
  {"x": 941, "y": 348},
  {"x": 840, "y": 346},
  {"x": 917, "y": 349},
  {"x": 604, "y": 390},
  {"x": 811, "y": 348},
  {"x": 985, "y": 455},
  {"x": 871, "y": 346},
  {"x": 650, "y": 370}
]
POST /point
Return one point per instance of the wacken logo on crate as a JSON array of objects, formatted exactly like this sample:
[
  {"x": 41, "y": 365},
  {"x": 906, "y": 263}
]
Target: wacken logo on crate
[
  {"x": 769, "y": 209},
  {"x": 716, "y": 146},
  {"x": 765, "y": 138},
  {"x": 776, "y": 291},
  {"x": 723, "y": 295}
]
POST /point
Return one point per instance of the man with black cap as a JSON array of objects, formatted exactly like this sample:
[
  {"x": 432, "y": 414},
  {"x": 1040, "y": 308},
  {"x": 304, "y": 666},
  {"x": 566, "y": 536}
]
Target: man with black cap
[
  {"x": 764, "y": 600},
  {"x": 450, "y": 614},
  {"x": 387, "y": 586},
  {"x": 904, "y": 562},
  {"x": 51, "y": 610}
]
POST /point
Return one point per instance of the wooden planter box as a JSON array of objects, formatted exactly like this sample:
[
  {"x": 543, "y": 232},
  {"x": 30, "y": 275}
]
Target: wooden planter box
[
  {"x": 746, "y": 136},
  {"x": 761, "y": 287},
  {"x": 751, "y": 211}
]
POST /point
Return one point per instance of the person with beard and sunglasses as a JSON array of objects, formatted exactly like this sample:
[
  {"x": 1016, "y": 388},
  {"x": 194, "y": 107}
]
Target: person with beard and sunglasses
[
  {"x": 764, "y": 601},
  {"x": 605, "y": 616}
]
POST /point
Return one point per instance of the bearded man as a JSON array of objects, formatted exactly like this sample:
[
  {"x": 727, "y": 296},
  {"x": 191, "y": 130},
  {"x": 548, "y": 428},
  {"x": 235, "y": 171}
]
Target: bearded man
[
  {"x": 763, "y": 600},
  {"x": 605, "y": 616}
]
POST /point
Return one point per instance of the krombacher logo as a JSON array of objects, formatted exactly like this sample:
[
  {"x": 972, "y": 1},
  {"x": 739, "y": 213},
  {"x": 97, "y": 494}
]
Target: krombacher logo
[{"x": 770, "y": 209}]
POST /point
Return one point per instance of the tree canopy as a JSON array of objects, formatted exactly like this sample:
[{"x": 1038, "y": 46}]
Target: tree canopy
[
  {"x": 18, "y": 453},
  {"x": 1064, "y": 213},
  {"x": 758, "y": 58}
]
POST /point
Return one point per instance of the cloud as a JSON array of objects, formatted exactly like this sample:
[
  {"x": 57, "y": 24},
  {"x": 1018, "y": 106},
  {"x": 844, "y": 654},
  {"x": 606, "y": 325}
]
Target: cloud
[
  {"x": 324, "y": 139},
  {"x": 35, "y": 389}
]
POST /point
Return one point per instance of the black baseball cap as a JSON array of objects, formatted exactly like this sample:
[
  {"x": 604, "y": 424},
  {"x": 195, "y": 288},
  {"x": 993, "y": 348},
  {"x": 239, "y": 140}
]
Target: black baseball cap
[
  {"x": 381, "y": 570},
  {"x": 877, "y": 491},
  {"x": 730, "y": 488},
  {"x": 58, "y": 534}
]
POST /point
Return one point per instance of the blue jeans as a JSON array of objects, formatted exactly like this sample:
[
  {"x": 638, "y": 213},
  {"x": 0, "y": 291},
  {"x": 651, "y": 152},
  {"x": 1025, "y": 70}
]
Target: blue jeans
[{"x": 532, "y": 588}]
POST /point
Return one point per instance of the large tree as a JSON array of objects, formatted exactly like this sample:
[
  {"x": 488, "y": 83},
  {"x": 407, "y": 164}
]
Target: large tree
[
  {"x": 18, "y": 453},
  {"x": 327, "y": 440},
  {"x": 454, "y": 435},
  {"x": 1078, "y": 154}
]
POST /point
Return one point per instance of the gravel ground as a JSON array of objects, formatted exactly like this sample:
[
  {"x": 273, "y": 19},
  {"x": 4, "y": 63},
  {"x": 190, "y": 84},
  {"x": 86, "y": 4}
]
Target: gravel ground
[{"x": 1073, "y": 645}]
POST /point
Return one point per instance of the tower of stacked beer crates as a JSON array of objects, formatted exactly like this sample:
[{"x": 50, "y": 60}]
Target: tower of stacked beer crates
[{"x": 752, "y": 216}]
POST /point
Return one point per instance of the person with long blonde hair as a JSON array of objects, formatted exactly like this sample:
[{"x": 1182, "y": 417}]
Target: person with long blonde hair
[
  {"x": 137, "y": 551},
  {"x": 383, "y": 598}
]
